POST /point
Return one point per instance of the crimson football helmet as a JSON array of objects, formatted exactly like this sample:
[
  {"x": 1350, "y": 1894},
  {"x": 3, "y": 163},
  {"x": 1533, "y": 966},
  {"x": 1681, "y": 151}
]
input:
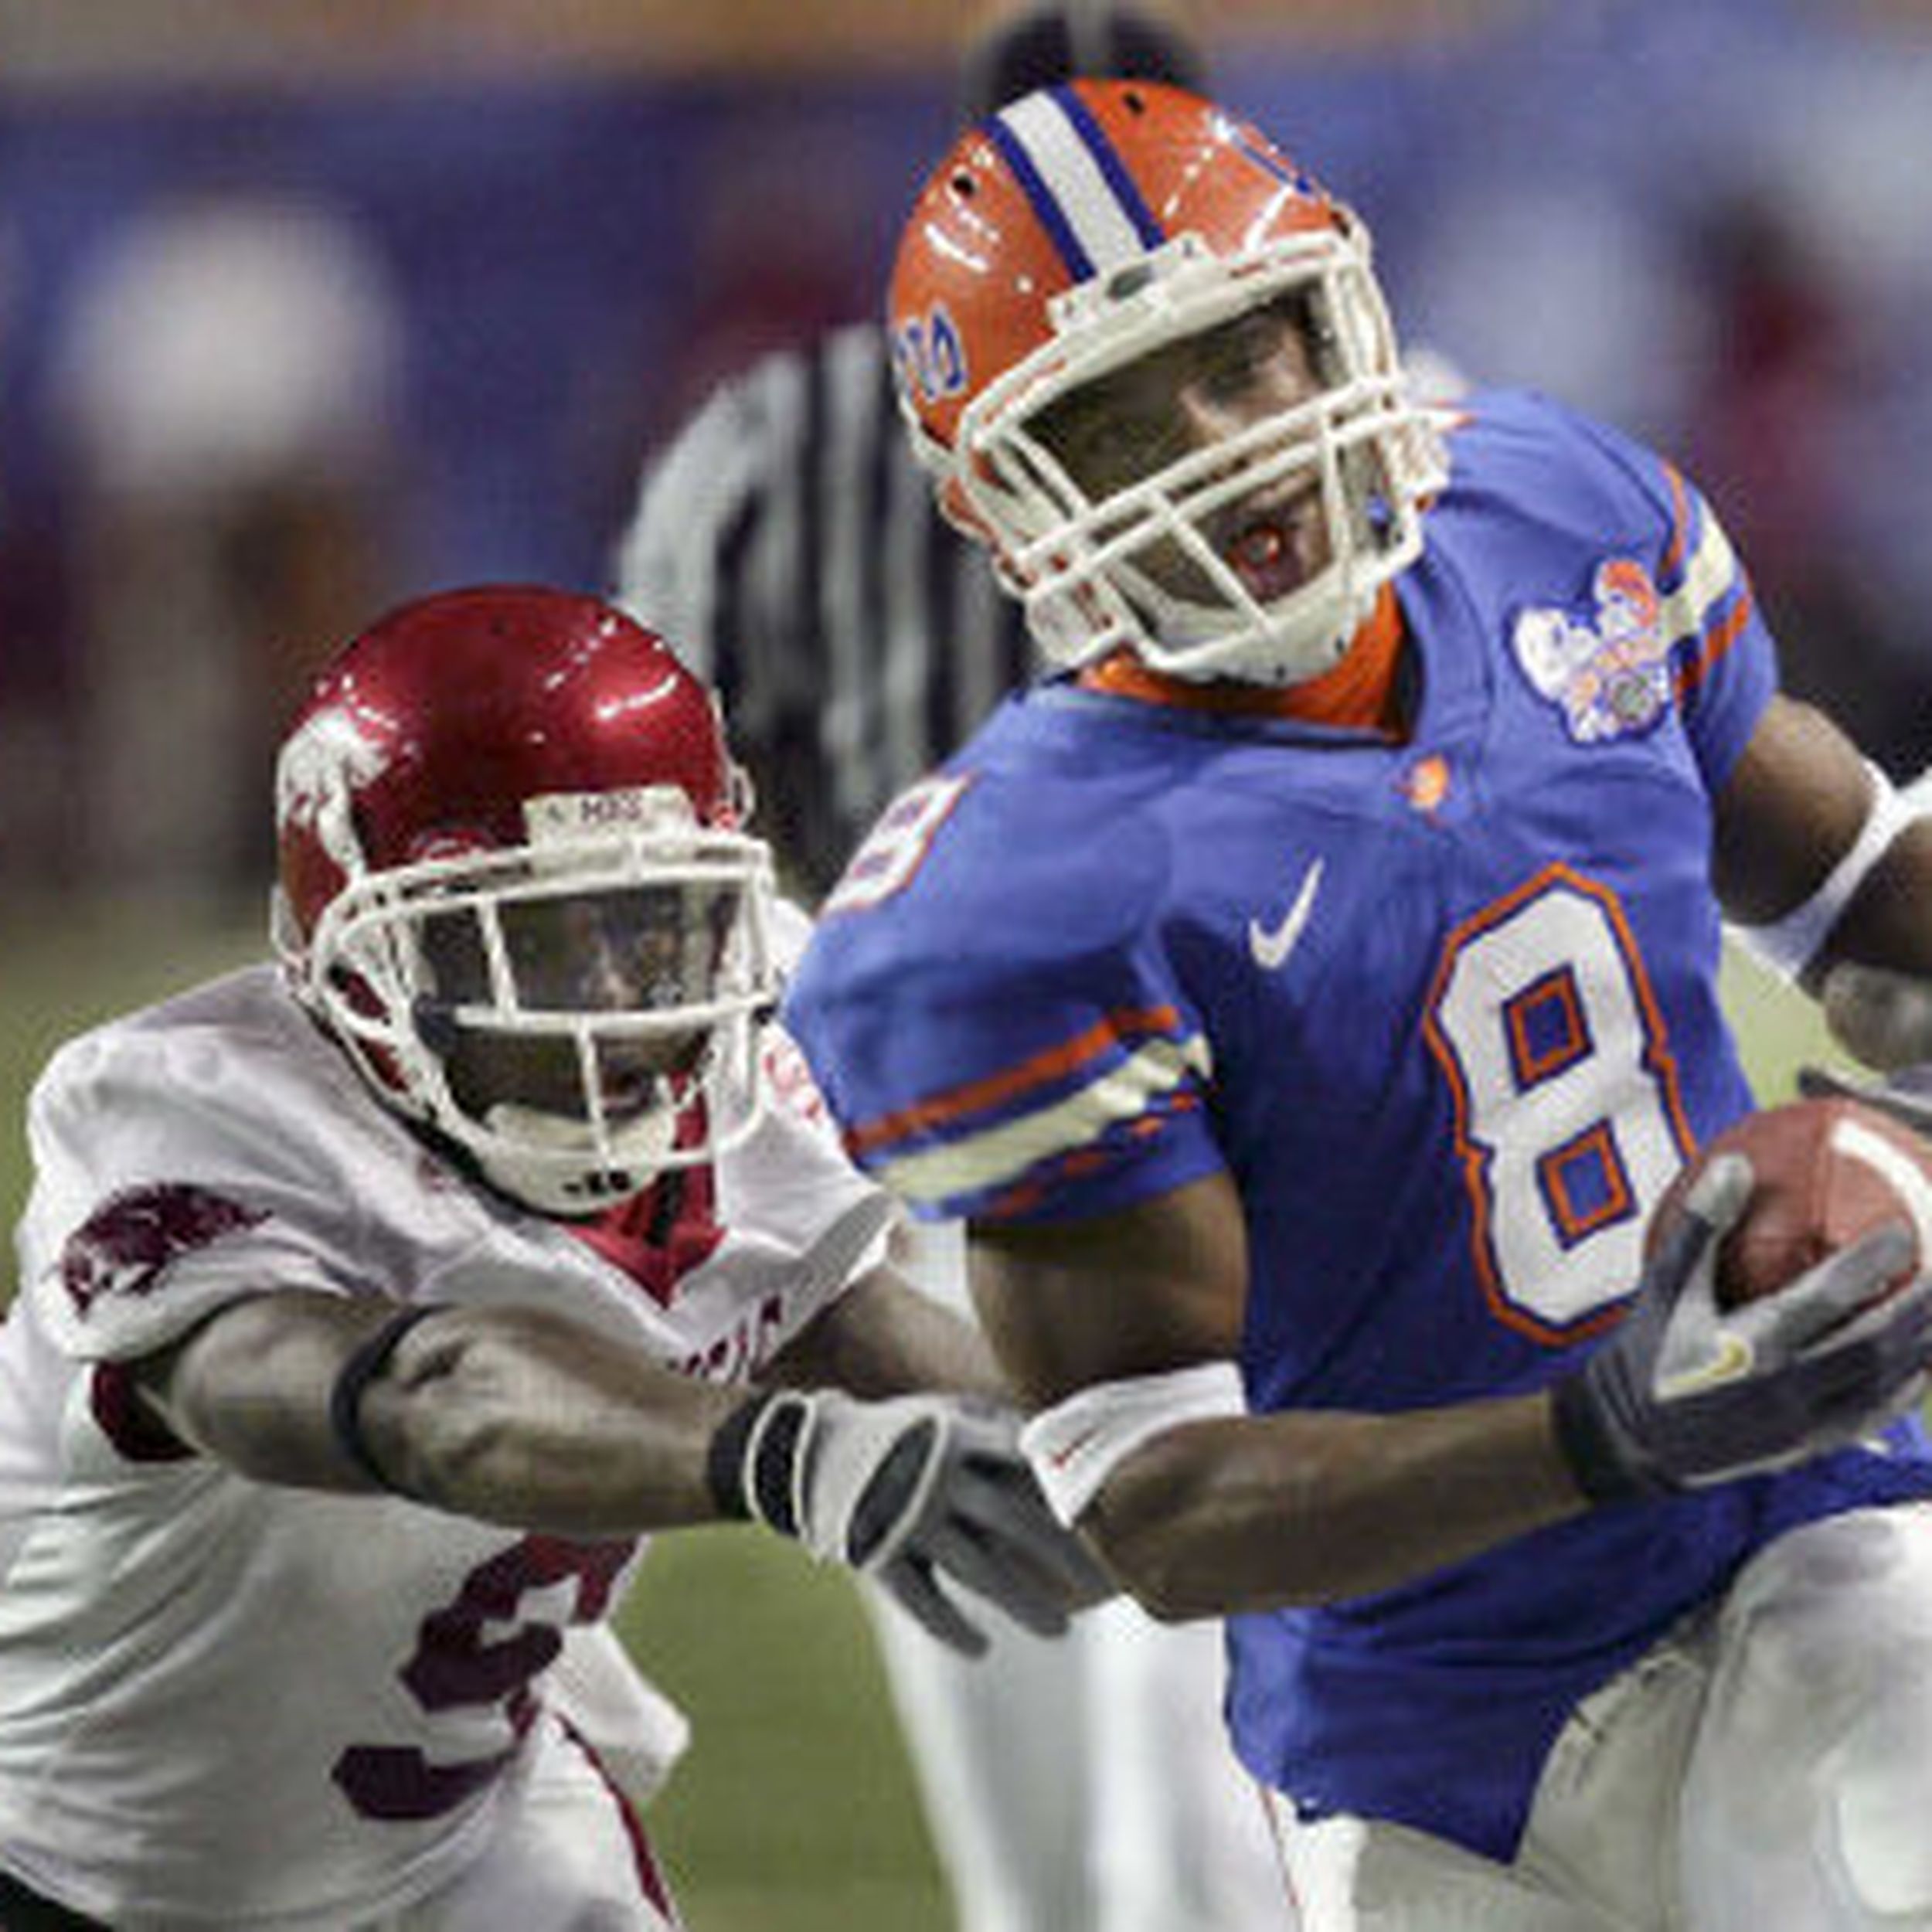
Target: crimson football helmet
[
  {"x": 1091, "y": 230},
  {"x": 514, "y": 885}
]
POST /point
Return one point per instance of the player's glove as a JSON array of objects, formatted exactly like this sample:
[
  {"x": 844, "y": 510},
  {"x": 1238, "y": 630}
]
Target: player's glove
[
  {"x": 1685, "y": 1393},
  {"x": 1883, "y": 1018},
  {"x": 920, "y": 1492}
]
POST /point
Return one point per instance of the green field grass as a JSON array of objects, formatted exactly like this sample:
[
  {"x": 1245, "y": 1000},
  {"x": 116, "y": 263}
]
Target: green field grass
[{"x": 793, "y": 1812}]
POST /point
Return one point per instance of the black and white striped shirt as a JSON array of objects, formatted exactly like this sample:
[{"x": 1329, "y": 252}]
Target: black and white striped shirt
[{"x": 786, "y": 544}]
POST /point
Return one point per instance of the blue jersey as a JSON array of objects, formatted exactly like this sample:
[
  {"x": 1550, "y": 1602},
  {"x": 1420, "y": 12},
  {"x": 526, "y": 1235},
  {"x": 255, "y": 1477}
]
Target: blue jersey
[{"x": 1445, "y": 1009}]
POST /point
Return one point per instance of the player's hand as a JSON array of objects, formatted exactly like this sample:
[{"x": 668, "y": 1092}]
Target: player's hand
[
  {"x": 1880, "y": 1017},
  {"x": 1685, "y": 1393},
  {"x": 926, "y": 1493}
]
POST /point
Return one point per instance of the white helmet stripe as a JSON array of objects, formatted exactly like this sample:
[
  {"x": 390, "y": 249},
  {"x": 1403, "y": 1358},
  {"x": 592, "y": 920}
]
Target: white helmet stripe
[{"x": 1085, "y": 199}]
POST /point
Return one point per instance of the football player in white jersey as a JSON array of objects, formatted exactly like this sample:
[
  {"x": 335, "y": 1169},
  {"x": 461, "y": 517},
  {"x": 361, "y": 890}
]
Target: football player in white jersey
[{"x": 372, "y": 1306}]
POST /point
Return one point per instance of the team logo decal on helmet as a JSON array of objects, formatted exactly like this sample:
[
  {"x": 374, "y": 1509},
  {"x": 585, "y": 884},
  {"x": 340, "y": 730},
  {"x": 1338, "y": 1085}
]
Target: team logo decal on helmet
[
  {"x": 929, "y": 360},
  {"x": 322, "y": 763},
  {"x": 1080, "y": 249},
  {"x": 515, "y": 887}
]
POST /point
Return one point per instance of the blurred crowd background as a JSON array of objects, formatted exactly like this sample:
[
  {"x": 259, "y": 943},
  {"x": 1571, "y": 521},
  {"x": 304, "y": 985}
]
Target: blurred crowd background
[{"x": 307, "y": 307}]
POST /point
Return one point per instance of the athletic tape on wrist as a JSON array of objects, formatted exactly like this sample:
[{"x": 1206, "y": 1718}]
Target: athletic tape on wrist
[
  {"x": 367, "y": 1361},
  {"x": 1075, "y": 1446},
  {"x": 1790, "y": 944}
]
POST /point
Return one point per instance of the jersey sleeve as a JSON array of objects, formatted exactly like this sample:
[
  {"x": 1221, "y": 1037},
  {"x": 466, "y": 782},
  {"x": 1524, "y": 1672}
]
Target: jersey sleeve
[
  {"x": 170, "y": 1179},
  {"x": 1723, "y": 660},
  {"x": 995, "y": 1051},
  {"x": 793, "y": 1184},
  {"x": 791, "y": 1187}
]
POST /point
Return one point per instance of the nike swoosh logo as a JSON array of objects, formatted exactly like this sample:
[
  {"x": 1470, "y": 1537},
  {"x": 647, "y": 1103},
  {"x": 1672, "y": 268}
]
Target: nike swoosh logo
[
  {"x": 1060, "y": 1458},
  {"x": 1733, "y": 1359},
  {"x": 1271, "y": 948}
]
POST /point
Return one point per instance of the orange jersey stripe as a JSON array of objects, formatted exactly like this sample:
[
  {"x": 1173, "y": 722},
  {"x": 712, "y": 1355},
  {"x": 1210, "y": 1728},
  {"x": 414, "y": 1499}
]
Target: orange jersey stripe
[
  {"x": 1680, "y": 522},
  {"x": 1717, "y": 641},
  {"x": 1055, "y": 1062}
]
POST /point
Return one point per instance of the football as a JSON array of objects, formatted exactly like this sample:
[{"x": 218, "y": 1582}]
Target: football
[{"x": 1828, "y": 1171}]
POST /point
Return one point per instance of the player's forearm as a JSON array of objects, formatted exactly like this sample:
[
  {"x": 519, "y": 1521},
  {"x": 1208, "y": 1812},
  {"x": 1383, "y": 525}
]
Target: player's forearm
[
  {"x": 516, "y": 1416},
  {"x": 882, "y": 1337},
  {"x": 509, "y": 1417},
  {"x": 1257, "y": 1513}
]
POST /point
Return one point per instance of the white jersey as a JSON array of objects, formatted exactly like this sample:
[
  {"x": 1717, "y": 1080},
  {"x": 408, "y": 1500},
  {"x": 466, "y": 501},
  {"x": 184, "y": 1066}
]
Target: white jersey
[{"x": 226, "y": 1702}]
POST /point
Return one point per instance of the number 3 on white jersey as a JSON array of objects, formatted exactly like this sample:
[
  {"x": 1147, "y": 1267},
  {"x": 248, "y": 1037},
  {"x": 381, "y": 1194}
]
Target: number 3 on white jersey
[{"x": 1569, "y": 1124}]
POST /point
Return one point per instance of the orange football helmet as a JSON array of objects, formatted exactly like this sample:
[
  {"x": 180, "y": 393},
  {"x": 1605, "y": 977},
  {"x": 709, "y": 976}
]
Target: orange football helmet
[{"x": 1072, "y": 237}]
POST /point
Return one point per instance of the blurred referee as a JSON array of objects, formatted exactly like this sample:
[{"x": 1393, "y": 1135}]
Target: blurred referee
[{"x": 786, "y": 539}]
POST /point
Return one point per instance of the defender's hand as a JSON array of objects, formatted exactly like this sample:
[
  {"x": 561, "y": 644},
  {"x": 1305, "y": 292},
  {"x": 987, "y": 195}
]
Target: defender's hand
[
  {"x": 1686, "y": 1393},
  {"x": 1880, "y": 1017},
  {"x": 922, "y": 1492}
]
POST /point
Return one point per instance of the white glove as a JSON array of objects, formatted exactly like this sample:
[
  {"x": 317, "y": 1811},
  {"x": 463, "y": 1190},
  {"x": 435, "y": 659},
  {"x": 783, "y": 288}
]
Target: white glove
[{"x": 912, "y": 1491}]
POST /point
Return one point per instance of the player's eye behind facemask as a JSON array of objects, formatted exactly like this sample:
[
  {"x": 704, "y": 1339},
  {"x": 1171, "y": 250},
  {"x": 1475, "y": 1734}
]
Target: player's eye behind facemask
[
  {"x": 531, "y": 949},
  {"x": 577, "y": 1028}
]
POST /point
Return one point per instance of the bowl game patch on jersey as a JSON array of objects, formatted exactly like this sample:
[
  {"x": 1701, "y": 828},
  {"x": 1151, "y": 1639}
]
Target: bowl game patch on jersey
[{"x": 1608, "y": 674}]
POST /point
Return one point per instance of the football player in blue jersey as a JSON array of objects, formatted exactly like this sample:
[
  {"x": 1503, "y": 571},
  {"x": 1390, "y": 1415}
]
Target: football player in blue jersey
[{"x": 1308, "y": 991}]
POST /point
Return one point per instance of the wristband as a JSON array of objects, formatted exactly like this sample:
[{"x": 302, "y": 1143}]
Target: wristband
[
  {"x": 761, "y": 1436},
  {"x": 1075, "y": 1446},
  {"x": 368, "y": 1360},
  {"x": 1788, "y": 945}
]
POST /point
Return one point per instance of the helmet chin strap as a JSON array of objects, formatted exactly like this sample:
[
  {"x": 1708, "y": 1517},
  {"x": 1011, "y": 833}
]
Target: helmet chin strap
[
  {"x": 636, "y": 1156},
  {"x": 1271, "y": 649}
]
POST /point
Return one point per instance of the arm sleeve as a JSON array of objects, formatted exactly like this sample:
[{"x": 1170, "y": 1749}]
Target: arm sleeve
[
  {"x": 1723, "y": 660},
  {"x": 791, "y": 1186}
]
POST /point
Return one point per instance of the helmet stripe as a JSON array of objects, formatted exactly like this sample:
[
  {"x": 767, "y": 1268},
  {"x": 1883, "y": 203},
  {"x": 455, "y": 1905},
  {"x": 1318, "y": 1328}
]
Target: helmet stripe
[
  {"x": 1108, "y": 158},
  {"x": 1080, "y": 265},
  {"x": 1079, "y": 187}
]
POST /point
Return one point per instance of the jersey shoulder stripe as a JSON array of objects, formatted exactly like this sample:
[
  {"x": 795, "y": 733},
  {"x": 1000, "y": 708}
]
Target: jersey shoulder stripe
[
  {"x": 1706, "y": 607},
  {"x": 958, "y": 1150},
  {"x": 1051, "y": 1066},
  {"x": 1706, "y": 613}
]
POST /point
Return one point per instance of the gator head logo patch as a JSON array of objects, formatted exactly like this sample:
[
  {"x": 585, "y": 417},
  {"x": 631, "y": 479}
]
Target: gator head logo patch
[{"x": 1607, "y": 673}]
